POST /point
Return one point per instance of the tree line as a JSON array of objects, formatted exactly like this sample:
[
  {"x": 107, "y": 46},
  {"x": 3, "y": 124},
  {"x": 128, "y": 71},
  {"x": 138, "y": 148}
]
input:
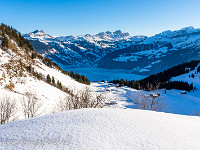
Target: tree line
[
  {"x": 8, "y": 31},
  {"x": 161, "y": 80}
]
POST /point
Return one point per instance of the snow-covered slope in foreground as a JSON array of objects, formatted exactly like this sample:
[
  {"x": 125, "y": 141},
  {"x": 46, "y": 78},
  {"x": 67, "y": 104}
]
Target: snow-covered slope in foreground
[{"x": 105, "y": 129}]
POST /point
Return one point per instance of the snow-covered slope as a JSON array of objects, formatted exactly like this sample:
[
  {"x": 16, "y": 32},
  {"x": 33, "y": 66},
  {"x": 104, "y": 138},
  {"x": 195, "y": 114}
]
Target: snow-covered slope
[
  {"x": 48, "y": 95},
  {"x": 175, "y": 102},
  {"x": 112, "y": 129},
  {"x": 187, "y": 77},
  {"x": 16, "y": 81}
]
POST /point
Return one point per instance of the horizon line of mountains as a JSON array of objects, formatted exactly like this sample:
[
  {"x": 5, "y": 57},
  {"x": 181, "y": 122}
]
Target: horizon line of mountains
[{"x": 117, "y": 50}]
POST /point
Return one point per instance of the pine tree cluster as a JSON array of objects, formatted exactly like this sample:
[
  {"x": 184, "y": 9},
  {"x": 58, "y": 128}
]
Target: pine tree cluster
[
  {"x": 79, "y": 78},
  {"x": 178, "y": 85},
  {"x": 15, "y": 35},
  {"x": 162, "y": 78}
]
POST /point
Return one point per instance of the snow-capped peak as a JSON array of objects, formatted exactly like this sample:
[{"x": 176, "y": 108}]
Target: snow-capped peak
[
  {"x": 41, "y": 32},
  {"x": 188, "y": 29},
  {"x": 117, "y": 35}
]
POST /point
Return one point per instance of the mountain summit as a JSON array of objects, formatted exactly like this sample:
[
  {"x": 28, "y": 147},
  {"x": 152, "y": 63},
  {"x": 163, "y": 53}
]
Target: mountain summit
[{"x": 119, "y": 50}]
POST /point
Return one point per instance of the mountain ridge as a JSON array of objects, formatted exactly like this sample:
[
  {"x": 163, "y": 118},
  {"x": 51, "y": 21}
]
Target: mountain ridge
[{"x": 118, "y": 50}]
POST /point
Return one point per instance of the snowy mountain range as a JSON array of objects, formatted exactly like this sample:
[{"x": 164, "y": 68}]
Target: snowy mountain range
[
  {"x": 78, "y": 50},
  {"x": 117, "y": 50}
]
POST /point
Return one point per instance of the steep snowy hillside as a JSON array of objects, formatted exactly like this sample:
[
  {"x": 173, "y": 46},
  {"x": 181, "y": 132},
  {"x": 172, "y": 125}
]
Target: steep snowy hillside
[
  {"x": 117, "y": 50},
  {"x": 193, "y": 76},
  {"x": 112, "y": 129},
  {"x": 24, "y": 76}
]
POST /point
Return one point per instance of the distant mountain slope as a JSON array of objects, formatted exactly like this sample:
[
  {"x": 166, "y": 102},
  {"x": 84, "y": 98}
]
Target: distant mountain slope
[
  {"x": 78, "y": 50},
  {"x": 100, "y": 129},
  {"x": 156, "y": 53},
  {"x": 118, "y": 50}
]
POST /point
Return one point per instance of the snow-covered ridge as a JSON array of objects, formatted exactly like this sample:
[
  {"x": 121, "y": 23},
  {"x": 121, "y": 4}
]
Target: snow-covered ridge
[
  {"x": 118, "y": 35},
  {"x": 181, "y": 45},
  {"x": 185, "y": 37},
  {"x": 38, "y": 34},
  {"x": 90, "y": 50},
  {"x": 84, "y": 49},
  {"x": 103, "y": 129},
  {"x": 109, "y": 36}
]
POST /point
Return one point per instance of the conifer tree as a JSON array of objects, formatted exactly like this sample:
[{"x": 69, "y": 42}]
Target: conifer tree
[
  {"x": 48, "y": 79},
  {"x": 53, "y": 80}
]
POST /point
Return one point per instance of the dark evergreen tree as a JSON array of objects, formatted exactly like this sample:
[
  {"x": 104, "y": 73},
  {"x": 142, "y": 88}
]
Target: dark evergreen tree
[
  {"x": 198, "y": 69},
  {"x": 53, "y": 80},
  {"x": 59, "y": 85},
  {"x": 48, "y": 79},
  {"x": 192, "y": 75},
  {"x": 71, "y": 74},
  {"x": 33, "y": 55}
]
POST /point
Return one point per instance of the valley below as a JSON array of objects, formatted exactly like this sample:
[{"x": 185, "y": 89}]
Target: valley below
[{"x": 99, "y": 74}]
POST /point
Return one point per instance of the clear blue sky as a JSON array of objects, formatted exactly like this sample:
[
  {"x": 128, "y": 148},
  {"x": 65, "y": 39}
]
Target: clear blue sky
[{"x": 78, "y": 17}]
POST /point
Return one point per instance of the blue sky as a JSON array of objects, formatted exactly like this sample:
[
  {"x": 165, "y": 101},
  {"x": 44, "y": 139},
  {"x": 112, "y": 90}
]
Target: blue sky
[{"x": 78, "y": 17}]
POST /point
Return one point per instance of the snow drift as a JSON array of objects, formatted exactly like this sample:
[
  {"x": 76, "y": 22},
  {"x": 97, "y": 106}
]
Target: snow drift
[{"x": 103, "y": 129}]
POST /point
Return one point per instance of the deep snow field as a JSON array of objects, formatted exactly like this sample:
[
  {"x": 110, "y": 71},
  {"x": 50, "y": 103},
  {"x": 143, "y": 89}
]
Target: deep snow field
[
  {"x": 104, "y": 129},
  {"x": 177, "y": 103}
]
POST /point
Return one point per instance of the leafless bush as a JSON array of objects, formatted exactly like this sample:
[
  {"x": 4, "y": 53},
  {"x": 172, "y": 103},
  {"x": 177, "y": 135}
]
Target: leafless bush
[
  {"x": 195, "y": 113},
  {"x": 69, "y": 102},
  {"x": 148, "y": 102},
  {"x": 30, "y": 105},
  {"x": 151, "y": 87},
  {"x": 10, "y": 86},
  {"x": 84, "y": 99},
  {"x": 8, "y": 109}
]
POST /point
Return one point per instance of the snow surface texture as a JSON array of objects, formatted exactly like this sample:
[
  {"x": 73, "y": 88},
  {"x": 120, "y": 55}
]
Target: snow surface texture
[{"x": 106, "y": 129}]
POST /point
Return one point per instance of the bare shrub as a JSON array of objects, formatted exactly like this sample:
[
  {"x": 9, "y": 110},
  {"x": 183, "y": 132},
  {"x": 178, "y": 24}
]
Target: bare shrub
[
  {"x": 99, "y": 101},
  {"x": 84, "y": 99},
  {"x": 148, "y": 102},
  {"x": 30, "y": 105},
  {"x": 8, "y": 109},
  {"x": 10, "y": 86},
  {"x": 195, "y": 113},
  {"x": 152, "y": 87}
]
